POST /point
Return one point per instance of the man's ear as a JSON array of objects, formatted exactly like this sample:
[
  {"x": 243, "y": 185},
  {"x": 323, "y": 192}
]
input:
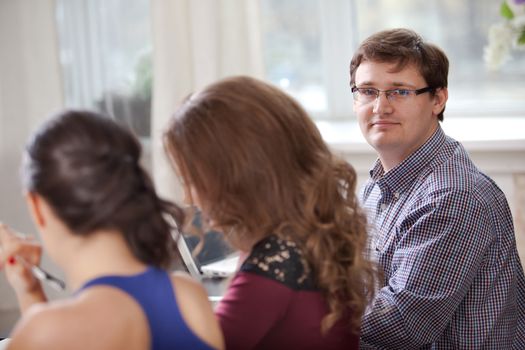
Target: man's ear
[
  {"x": 35, "y": 205},
  {"x": 440, "y": 99}
]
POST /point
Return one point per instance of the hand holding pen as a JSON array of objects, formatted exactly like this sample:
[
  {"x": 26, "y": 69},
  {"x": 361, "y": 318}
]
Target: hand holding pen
[{"x": 20, "y": 259}]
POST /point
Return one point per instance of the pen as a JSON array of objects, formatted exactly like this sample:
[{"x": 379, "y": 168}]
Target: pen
[{"x": 43, "y": 275}]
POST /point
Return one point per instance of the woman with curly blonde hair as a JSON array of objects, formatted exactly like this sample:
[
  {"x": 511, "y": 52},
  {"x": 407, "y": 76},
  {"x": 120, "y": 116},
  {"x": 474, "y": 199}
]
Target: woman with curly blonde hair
[{"x": 255, "y": 164}]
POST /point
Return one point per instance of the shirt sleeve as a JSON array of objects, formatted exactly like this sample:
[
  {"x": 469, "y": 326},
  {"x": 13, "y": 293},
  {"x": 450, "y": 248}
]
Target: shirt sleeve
[
  {"x": 251, "y": 306},
  {"x": 440, "y": 246}
]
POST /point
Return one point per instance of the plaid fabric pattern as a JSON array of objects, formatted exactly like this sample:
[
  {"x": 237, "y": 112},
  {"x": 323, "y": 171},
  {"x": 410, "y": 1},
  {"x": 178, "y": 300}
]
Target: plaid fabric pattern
[{"x": 442, "y": 233}]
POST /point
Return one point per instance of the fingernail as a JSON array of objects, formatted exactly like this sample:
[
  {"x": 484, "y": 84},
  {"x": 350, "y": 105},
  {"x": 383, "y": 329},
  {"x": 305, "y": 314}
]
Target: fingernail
[{"x": 11, "y": 260}]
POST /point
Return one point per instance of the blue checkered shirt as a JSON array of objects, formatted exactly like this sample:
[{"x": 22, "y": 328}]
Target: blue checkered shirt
[{"x": 442, "y": 233}]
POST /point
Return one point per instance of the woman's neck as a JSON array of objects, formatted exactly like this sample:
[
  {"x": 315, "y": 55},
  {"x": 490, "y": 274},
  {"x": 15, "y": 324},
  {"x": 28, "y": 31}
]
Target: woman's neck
[{"x": 98, "y": 254}]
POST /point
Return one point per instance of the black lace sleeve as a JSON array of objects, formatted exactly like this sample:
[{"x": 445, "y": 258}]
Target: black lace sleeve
[{"x": 280, "y": 260}]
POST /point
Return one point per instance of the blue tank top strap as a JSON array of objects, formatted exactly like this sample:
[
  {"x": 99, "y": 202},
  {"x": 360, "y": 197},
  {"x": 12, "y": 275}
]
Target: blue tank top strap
[{"x": 153, "y": 291}]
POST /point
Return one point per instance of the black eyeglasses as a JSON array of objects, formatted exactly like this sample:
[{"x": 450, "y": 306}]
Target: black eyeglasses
[{"x": 368, "y": 94}]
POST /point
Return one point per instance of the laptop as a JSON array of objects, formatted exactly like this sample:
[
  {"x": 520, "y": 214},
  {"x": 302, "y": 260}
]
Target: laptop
[
  {"x": 215, "y": 258},
  {"x": 4, "y": 342}
]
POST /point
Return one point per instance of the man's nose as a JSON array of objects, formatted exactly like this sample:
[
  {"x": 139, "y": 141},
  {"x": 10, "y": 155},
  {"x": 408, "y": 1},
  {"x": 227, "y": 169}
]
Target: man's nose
[{"x": 382, "y": 104}]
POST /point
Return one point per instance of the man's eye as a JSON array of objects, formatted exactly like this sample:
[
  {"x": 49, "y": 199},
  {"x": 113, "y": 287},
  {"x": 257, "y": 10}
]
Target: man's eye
[
  {"x": 368, "y": 92},
  {"x": 400, "y": 92}
]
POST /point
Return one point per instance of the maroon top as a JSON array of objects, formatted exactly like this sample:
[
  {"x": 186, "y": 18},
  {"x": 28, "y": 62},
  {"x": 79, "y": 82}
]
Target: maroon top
[{"x": 272, "y": 303}]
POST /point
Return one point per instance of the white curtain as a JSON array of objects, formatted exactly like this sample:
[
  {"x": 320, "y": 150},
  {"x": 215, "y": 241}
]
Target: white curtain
[
  {"x": 196, "y": 42},
  {"x": 105, "y": 56},
  {"x": 30, "y": 90}
]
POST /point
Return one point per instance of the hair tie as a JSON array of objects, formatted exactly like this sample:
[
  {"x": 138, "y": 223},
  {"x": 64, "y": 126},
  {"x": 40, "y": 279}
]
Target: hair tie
[{"x": 417, "y": 44}]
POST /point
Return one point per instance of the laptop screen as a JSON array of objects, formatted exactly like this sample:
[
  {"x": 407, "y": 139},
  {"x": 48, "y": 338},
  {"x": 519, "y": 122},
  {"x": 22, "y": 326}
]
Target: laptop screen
[{"x": 214, "y": 248}]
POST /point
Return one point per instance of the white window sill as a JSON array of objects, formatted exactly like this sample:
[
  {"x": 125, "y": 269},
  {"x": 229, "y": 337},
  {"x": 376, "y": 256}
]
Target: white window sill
[{"x": 476, "y": 134}]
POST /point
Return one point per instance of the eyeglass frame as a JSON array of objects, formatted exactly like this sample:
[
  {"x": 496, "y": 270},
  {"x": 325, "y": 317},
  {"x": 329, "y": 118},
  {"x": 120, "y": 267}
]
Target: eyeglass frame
[{"x": 386, "y": 92}]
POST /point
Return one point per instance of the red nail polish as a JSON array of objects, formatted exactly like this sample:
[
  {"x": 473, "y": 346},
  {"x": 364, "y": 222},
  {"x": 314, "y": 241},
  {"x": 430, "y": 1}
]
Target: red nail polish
[{"x": 11, "y": 260}]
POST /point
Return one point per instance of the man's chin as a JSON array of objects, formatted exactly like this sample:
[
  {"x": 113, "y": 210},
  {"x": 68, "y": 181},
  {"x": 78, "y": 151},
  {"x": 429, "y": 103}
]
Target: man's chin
[{"x": 380, "y": 142}]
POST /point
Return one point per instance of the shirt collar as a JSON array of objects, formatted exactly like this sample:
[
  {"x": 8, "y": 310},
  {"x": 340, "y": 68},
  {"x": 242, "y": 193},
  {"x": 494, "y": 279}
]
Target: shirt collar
[{"x": 405, "y": 173}]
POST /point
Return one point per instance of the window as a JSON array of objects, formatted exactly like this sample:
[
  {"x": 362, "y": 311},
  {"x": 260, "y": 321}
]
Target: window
[
  {"x": 106, "y": 58},
  {"x": 308, "y": 45},
  {"x": 105, "y": 51}
]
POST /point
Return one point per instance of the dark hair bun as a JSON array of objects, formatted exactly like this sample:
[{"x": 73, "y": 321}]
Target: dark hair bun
[{"x": 87, "y": 167}]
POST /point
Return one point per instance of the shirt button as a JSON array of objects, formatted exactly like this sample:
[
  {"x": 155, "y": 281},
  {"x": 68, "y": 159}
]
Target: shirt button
[
  {"x": 396, "y": 195},
  {"x": 383, "y": 206}
]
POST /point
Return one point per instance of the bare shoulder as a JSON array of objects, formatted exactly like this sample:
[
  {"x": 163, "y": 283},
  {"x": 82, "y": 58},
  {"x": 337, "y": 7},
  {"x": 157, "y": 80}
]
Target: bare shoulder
[
  {"x": 190, "y": 293},
  {"x": 184, "y": 282},
  {"x": 100, "y": 318},
  {"x": 196, "y": 309},
  {"x": 44, "y": 326}
]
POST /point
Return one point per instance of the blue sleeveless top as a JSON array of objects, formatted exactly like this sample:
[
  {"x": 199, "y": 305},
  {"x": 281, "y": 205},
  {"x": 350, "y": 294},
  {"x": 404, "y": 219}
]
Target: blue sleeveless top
[{"x": 153, "y": 290}]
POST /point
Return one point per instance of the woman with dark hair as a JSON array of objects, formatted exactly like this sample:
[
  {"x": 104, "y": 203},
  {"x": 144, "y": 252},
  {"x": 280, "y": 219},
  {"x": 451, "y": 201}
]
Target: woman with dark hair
[
  {"x": 102, "y": 222},
  {"x": 257, "y": 167}
]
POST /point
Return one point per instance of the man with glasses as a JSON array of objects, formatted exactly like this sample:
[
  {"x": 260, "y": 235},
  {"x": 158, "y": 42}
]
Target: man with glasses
[{"x": 440, "y": 230}]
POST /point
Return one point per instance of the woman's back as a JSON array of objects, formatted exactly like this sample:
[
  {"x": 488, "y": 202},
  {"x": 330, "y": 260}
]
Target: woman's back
[
  {"x": 275, "y": 285},
  {"x": 147, "y": 310}
]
